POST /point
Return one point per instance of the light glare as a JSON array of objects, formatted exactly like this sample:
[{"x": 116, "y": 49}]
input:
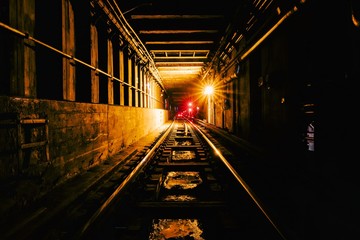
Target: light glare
[{"x": 209, "y": 90}]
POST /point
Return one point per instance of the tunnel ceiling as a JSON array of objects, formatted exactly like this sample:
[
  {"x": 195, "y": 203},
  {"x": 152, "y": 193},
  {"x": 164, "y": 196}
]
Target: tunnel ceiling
[{"x": 183, "y": 36}]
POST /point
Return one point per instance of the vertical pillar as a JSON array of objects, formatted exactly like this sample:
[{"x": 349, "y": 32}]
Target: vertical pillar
[
  {"x": 148, "y": 90},
  {"x": 95, "y": 63},
  {"x": 68, "y": 46},
  {"x": 146, "y": 77},
  {"x": 110, "y": 70},
  {"x": 209, "y": 107},
  {"x": 136, "y": 83},
  {"x": 152, "y": 100},
  {"x": 149, "y": 93},
  {"x": 122, "y": 77},
  {"x": 130, "y": 77},
  {"x": 23, "y": 68},
  {"x": 141, "y": 87}
]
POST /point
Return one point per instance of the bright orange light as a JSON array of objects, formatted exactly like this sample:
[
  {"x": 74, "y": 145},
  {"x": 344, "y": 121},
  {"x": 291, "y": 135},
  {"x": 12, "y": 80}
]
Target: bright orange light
[{"x": 208, "y": 90}]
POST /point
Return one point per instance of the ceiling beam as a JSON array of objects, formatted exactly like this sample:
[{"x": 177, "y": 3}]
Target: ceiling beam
[
  {"x": 179, "y": 42},
  {"x": 176, "y": 31},
  {"x": 164, "y": 16}
]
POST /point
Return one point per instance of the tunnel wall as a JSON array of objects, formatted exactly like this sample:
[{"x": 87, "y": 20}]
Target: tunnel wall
[
  {"x": 290, "y": 81},
  {"x": 36, "y": 155}
]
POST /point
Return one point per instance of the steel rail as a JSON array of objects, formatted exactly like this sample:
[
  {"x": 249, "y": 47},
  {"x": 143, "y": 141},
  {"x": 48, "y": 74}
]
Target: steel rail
[
  {"x": 239, "y": 179},
  {"x": 150, "y": 153}
]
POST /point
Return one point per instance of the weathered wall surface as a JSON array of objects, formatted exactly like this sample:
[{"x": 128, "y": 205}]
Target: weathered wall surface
[{"x": 45, "y": 142}]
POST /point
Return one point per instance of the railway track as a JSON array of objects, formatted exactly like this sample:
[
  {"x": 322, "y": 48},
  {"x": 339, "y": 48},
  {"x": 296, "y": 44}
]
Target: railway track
[{"x": 179, "y": 187}]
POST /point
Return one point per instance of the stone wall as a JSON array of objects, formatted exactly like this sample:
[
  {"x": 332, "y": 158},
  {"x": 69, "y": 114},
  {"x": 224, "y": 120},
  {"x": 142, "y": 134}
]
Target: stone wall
[{"x": 45, "y": 142}]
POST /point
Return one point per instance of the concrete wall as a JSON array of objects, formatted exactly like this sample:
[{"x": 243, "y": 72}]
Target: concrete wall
[{"x": 79, "y": 136}]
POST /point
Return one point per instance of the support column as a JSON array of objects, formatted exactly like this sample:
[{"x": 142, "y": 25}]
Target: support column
[
  {"x": 146, "y": 100},
  {"x": 110, "y": 70},
  {"x": 141, "y": 86},
  {"x": 130, "y": 81},
  {"x": 68, "y": 46},
  {"x": 122, "y": 77},
  {"x": 23, "y": 68},
  {"x": 136, "y": 83},
  {"x": 152, "y": 90},
  {"x": 95, "y": 63}
]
